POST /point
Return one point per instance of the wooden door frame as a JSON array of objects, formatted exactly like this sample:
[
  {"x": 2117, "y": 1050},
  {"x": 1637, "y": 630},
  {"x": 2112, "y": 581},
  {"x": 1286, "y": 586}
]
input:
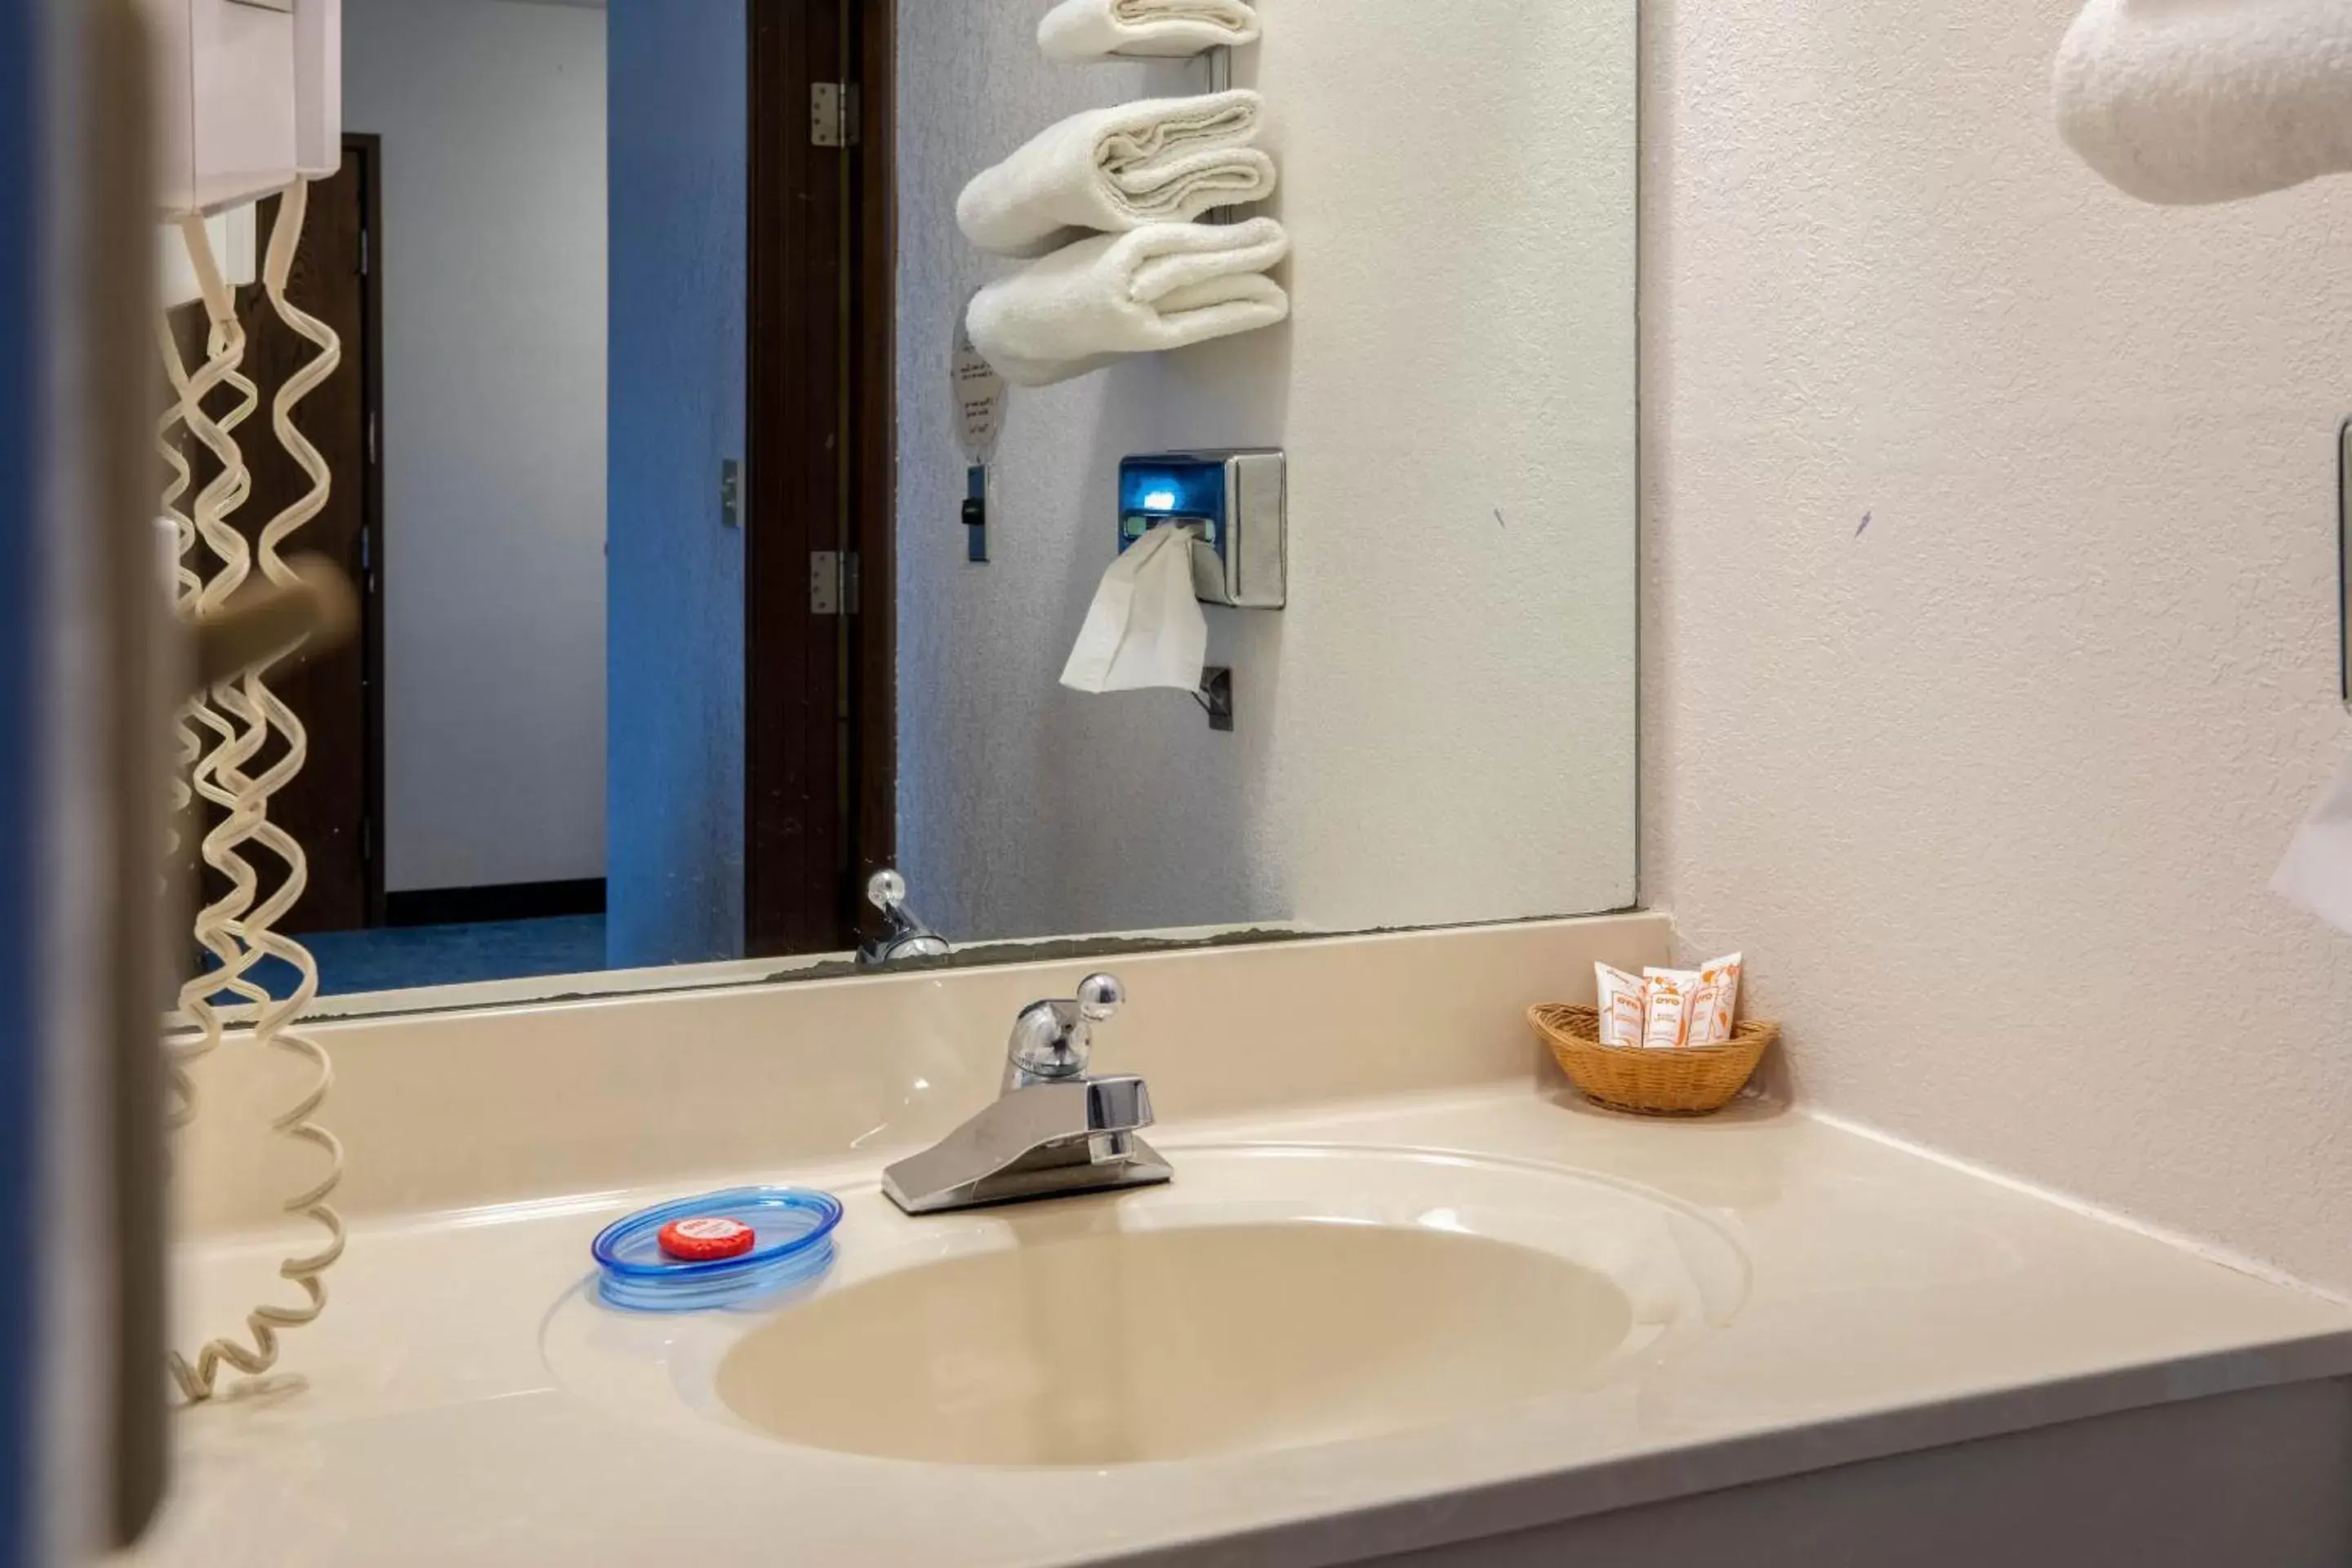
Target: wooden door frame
[
  {"x": 795, "y": 900},
  {"x": 876, "y": 687},
  {"x": 368, "y": 147}
]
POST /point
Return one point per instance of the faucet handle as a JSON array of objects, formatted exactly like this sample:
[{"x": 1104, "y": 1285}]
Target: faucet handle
[
  {"x": 903, "y": 934},
  {"x": 1100, "y": 996},
  {"x": 886, "y": 891},
  {"x": 1053, "y": 1041},
  {"x": 1116, "y": 1105}
]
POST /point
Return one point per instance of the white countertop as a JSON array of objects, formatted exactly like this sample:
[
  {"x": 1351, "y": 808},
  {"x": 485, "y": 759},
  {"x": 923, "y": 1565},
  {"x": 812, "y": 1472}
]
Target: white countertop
[{"x": 1896, "y": 1304}]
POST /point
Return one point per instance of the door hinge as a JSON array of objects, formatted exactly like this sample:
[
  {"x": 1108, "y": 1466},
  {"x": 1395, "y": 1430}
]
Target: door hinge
[
  {"x": 367, "y": 839},
  {"x": 374, "y": 456},
  {"x": 832, "y": 583},
  {"x": 832, "y": 114},
  {"x": 364, "y": 248}
]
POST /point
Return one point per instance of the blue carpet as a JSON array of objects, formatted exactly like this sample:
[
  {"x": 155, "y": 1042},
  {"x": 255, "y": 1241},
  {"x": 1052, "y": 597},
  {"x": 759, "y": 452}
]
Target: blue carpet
[{"x": 405, "y": 958}]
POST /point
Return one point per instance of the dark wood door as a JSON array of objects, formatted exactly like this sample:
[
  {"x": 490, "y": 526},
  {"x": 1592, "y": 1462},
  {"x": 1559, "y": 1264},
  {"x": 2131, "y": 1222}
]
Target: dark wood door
[
  {"x": 333, "y": 806},
  {"x": 820, "y": 737}
]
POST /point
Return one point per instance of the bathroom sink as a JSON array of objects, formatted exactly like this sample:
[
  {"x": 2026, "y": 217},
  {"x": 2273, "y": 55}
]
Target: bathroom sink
[
  {"x": 1118, "y": 1347},
  {"x": 1274, "y": 1297}
]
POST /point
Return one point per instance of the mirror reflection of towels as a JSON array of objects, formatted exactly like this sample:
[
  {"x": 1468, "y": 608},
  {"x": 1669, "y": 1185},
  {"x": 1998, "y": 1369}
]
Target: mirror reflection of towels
[
  {"x": 1166, "y": 287},
  {"x": 1107, "y": 170},
  {"x": 1078, "y": 32}
]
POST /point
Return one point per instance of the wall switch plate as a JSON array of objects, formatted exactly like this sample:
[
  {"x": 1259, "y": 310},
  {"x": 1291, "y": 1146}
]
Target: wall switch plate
[
  {"x": 1217, "y": 697},
  {"x": 975, "y": 514}
]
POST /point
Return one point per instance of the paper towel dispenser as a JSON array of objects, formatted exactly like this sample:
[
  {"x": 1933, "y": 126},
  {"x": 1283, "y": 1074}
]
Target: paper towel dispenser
[{"x": 1235, "y": 504}]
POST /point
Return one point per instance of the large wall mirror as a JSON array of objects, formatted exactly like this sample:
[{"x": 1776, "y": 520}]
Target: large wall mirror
[{"x": 687, "y": 609}]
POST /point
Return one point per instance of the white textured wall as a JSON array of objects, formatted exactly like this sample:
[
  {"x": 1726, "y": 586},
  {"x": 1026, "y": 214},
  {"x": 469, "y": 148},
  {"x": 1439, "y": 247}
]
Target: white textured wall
[
  {"x": 1442, "y": 725},
  {"x": 492, "y": 115},
  {"x": 1990, "y": 792}
]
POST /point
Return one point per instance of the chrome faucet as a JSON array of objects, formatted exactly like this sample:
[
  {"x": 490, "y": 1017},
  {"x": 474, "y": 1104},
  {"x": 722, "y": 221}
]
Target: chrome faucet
[
  {"x": 1054, "y": 1131},
  {"x": 903, "y": 935}
]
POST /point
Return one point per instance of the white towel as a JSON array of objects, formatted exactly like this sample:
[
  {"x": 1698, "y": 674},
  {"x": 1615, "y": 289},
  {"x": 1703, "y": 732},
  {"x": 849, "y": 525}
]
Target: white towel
[
  {"x": 2209, "y": 100},
  {"x": 1110, "y": 170},
  {"x": 1078, "y": 31},
  {"x": 1158, "y": 288}
]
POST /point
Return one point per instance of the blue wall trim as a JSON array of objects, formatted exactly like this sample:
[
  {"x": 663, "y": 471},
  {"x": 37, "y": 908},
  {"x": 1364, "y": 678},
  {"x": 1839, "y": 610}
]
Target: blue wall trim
[
  {"x": 679, "y": 174},
  {"x": 23, "y": 360}
]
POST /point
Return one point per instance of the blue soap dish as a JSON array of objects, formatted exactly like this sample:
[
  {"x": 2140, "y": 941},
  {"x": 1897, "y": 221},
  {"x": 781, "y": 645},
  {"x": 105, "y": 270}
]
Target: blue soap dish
[{"x": 793, "y": 1227}]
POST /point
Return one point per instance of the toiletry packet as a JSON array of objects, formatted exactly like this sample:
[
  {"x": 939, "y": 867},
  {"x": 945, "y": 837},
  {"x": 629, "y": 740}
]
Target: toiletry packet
[
  {"x": 1666, "y": 1010},
  {"x": 1707, "y": 1000},
  {"x": 1622, "y": 1009},
  {"x": 1714, "y": 1011}
]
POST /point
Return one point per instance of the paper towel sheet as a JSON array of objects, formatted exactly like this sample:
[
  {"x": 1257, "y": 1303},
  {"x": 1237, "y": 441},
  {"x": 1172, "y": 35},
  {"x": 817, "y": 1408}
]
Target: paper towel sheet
[
  {"x": 2317, "y": 872},
  {"x": 1146, "y": 630}
]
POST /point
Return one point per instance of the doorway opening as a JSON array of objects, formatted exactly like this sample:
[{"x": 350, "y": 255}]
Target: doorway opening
[
  {"x": 334, "y": 806},
  {"x": 614, "y": 457}
]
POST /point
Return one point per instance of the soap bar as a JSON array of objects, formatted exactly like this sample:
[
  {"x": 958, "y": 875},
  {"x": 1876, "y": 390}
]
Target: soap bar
[{"x": 711, "y": 1240}]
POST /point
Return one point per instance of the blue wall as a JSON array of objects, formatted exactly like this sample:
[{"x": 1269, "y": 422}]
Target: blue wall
[
  {"x": 680, "y": 171},
  {"x": 23, "y": 360}
]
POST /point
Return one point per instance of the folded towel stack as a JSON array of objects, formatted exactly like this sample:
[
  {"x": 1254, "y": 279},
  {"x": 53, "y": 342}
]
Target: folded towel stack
[
  {"x": 1078, "y": 31},
  {"x": 1106, "y": 199},
  {"x": 1110, "y": 170},
  {"x": 2209, "y": 100},
  {"x": 1164, "y": 286}
]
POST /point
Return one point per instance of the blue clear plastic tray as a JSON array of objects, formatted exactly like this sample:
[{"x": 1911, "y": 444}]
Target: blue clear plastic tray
[{"x": 795, "y": 1247}]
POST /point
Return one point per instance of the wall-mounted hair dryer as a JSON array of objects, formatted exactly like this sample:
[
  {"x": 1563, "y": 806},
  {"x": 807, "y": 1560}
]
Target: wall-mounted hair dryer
[{"x": 249, "y": 98}]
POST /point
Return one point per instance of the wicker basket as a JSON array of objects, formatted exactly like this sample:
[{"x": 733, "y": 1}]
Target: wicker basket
[{"x": 1690, "y": 1082}]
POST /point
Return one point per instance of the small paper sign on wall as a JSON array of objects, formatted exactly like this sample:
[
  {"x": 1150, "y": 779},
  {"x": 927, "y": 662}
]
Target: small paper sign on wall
[{"x": 980, "y": 397}]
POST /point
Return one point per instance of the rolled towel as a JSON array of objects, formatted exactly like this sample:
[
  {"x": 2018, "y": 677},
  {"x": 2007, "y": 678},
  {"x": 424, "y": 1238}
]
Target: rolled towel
[
  {"x": 2185, "y": 102},
  {"x": 1110, "y": 170},
  {"x": 1078, "y": 31},
  {"x": 1163, "y": 287}
]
